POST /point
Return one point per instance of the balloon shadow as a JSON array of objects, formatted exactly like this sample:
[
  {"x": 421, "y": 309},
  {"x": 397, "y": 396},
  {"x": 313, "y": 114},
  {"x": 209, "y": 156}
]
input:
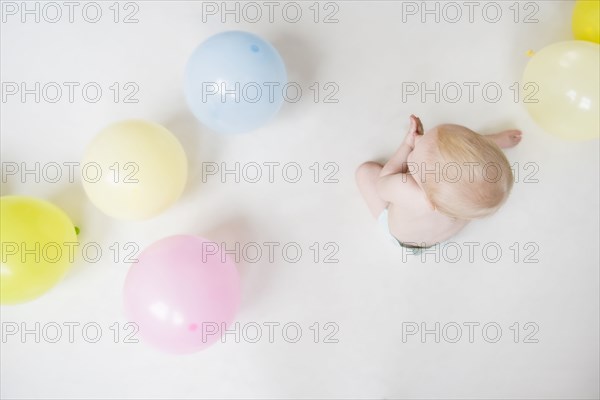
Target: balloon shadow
[
  {"x": 4, "y": 188},
  {"x": 256, "y": 277},
  {"x": 73, "y": 201},
  {"x": 199, "y": 143},
  {"x": 7, "y": 178},
  {"x": 300, "y": 59}
]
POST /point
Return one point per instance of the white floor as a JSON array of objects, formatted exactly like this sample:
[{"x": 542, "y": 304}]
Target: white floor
[{"x": 374, "y": 293}]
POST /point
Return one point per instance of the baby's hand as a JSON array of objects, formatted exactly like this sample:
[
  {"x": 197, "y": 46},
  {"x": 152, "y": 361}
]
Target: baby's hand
[{"x": 416, "y": 128}]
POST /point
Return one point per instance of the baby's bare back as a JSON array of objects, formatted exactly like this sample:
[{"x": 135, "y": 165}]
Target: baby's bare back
[{"x": 419, "y": 225}]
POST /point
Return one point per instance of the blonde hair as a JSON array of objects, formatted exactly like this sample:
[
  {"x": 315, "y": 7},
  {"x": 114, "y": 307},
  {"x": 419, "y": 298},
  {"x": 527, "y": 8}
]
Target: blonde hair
[{"x": 475, "y": 177}]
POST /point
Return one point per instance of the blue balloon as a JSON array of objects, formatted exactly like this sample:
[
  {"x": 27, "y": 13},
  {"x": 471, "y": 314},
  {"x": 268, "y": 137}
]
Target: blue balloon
[{"x": 234, "y": 82}]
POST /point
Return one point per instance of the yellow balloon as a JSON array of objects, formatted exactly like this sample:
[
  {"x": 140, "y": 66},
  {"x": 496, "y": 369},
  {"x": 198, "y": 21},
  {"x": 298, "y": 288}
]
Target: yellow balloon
[
  {"x": 38, "y": 243},
  {"x": 561, "y": 85},
  {"x": 586, "y": 20},
  {"x": 134, "y": 170}
]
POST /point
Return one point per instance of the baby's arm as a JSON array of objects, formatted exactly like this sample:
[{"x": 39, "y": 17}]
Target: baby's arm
[
  {"x": 394, "y": 182},
  {"x": 397, "y": 163}
]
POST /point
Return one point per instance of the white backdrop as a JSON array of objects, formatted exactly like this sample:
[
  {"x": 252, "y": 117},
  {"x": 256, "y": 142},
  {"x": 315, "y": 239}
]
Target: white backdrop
[{"x": 373, "y": 293}]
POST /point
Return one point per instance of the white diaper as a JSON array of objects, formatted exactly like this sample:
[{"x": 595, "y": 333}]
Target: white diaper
[{"x": 382, "y": 221}]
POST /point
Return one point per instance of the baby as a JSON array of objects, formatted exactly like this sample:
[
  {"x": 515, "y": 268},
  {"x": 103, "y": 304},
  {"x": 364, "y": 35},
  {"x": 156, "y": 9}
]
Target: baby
[{"x": 437, "y": 182}]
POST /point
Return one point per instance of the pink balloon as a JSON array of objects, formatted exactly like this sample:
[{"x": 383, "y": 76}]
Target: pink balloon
[{"x": 182, "y": 293}]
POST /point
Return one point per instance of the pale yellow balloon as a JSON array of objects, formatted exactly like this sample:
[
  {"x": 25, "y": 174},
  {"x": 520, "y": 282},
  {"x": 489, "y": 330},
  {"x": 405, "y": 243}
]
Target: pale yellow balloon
[
  {"x": 134, "y": 170},
  {"x": 562, "y": 88}
]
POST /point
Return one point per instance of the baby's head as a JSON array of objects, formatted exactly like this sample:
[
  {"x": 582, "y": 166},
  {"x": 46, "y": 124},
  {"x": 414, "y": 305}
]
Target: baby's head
[{"x": 464, "y": 175}]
